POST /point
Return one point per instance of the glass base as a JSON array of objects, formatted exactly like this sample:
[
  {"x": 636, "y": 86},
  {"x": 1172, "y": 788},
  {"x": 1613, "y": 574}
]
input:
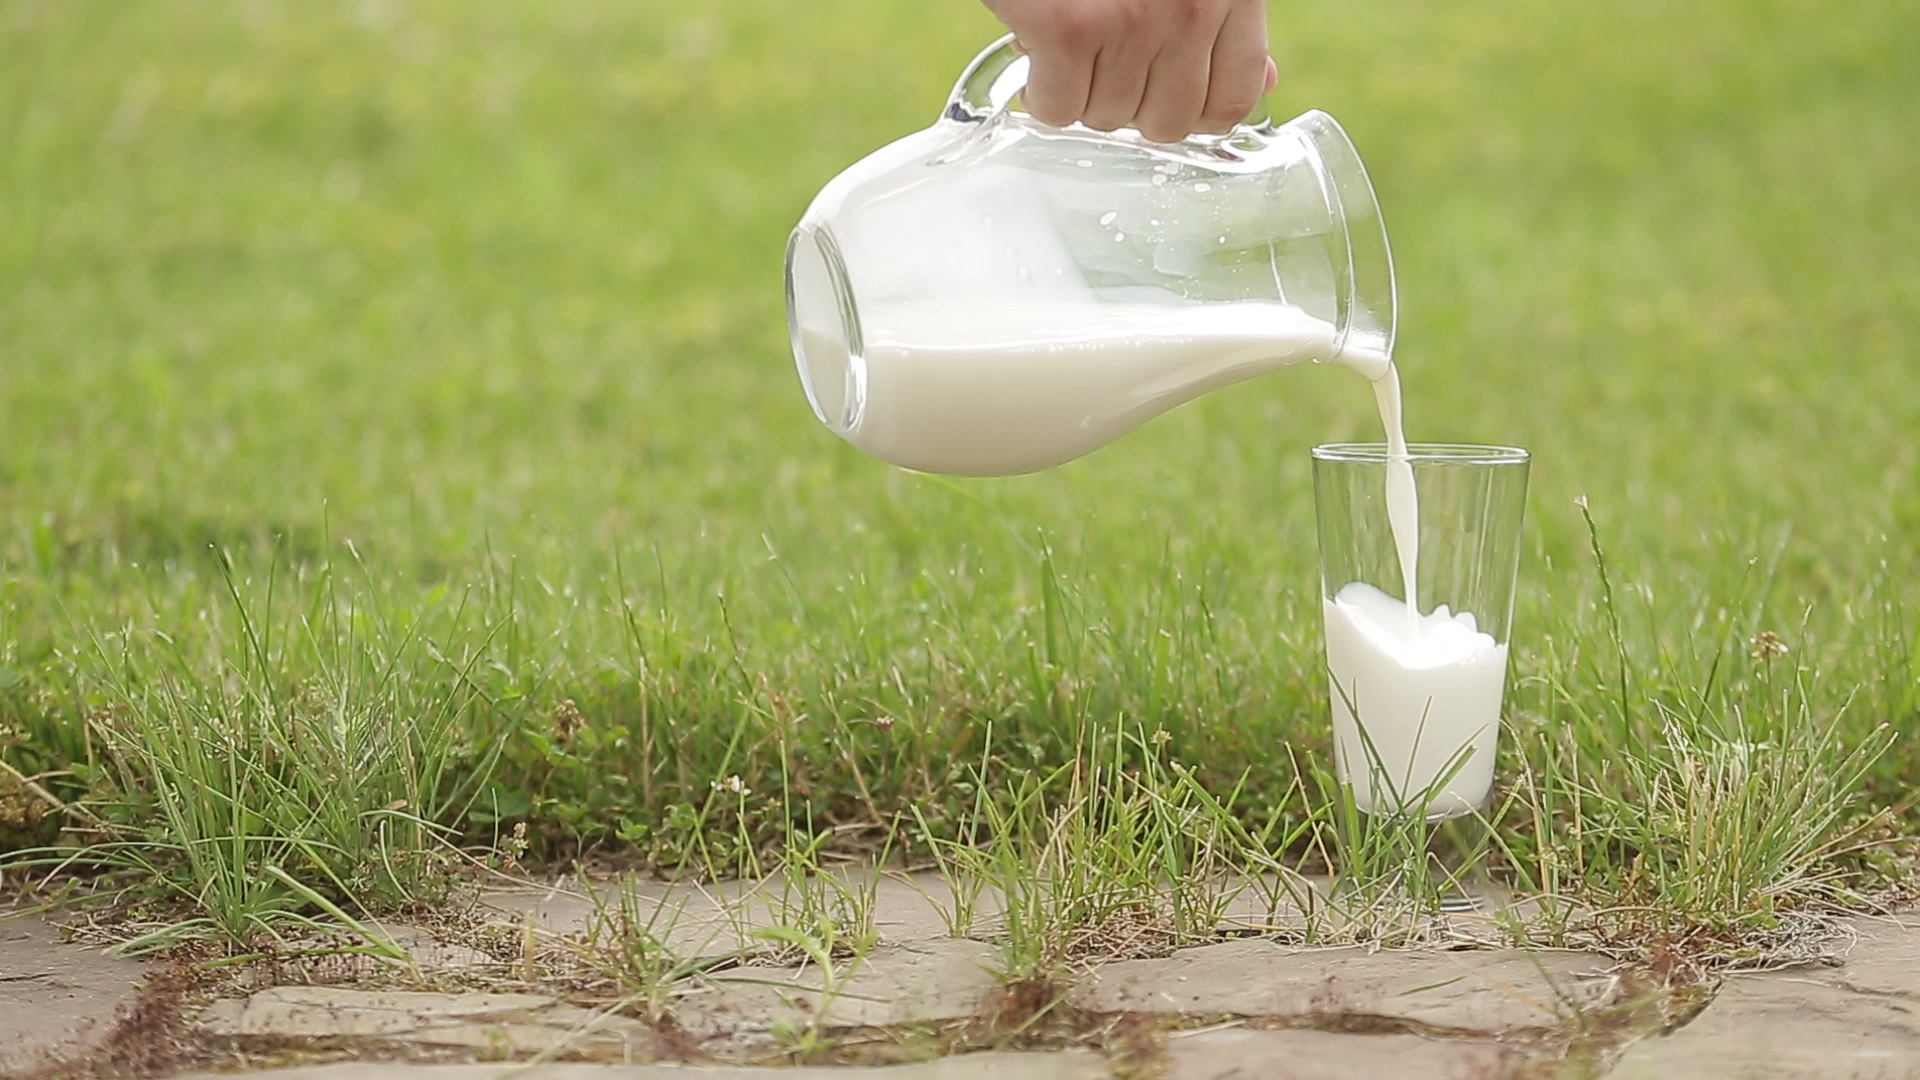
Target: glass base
[
  {"x": 1456, "y": 852},
  {"x": 1437, "y": 865}
]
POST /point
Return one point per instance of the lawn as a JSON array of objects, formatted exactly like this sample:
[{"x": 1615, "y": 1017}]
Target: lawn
[{"x": 400, "y": 453}]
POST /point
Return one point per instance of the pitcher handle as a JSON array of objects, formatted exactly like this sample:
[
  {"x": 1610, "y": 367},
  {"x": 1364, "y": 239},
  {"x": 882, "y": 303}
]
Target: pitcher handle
[{"x": 989, "y": 84}]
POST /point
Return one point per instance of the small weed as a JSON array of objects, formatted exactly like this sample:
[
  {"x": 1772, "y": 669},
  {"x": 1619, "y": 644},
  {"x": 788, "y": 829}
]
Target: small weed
[{"x": 631, "y": 943}]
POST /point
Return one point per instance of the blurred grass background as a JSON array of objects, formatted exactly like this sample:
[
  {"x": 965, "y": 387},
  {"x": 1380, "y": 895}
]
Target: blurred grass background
[{"x": 463, "y": 323}]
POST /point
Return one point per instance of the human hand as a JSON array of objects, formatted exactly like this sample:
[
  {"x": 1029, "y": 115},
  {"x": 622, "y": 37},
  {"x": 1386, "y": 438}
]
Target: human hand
[{"x": 1165, "y": 67}]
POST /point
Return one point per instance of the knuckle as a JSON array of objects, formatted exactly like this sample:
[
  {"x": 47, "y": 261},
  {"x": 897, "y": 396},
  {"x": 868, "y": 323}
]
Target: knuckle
[
  {"x": 1231, "y": 108},
  {"x": 1232, "y": 100},
  {"x": 1074, "y": 29},
  {"x": 1183, "y": 15},
  {"x": 1048, "y": 112}
]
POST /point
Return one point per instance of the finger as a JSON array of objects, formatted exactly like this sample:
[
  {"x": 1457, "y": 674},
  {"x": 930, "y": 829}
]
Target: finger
[
  {"x": 1176, "y": 90},
  {"x": 1057, "y": 84},
  {"x": 1119, "y": 80},
  {"x": 1241, "y": 68}
]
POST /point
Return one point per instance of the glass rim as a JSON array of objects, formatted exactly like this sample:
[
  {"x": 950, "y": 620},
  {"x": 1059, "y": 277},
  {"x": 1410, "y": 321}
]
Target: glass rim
[{"x": 1376, "y": 453}]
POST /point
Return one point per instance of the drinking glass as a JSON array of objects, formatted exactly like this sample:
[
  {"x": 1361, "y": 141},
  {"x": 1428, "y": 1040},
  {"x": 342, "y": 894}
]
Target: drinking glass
[{"x": 1416, "y": 707}]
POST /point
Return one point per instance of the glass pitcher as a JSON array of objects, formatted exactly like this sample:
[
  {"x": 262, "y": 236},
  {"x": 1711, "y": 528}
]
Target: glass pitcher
[{"x": 994, "y": 295}]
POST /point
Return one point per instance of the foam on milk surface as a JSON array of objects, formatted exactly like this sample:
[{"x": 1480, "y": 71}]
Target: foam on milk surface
[{"x": 1426, "y": 693}]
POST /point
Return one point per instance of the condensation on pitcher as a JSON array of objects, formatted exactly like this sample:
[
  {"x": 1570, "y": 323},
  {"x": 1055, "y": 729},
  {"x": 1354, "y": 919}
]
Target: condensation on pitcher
[{"x": 1108, "y": 217}]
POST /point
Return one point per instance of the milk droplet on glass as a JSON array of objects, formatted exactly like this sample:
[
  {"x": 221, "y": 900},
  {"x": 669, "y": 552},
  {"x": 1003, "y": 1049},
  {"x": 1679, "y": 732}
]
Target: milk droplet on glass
[
  {"x": 1107, "y": 218},
  {"x": 1203, "y": 187}
]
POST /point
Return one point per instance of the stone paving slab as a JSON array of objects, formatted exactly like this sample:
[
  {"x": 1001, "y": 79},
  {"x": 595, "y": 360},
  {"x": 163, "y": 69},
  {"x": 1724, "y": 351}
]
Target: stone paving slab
[
  {"x": 1859, "y": 1020},
  {"x": 707, "y": 919},
  {"x": 56, "y": 999},
  {"x": 1242, "y": 1054},
  {"x": 1058, "y": 1065},
  {"x": 936, "y": 980},
  {"x": 712, "y": 918},
  {"x": 428, "y": 953},
  {"x": 945, "y": 979},
  {"x": 1491, "y": 990},
  {"x": 1779, "y": 1025},
  {"x": 518, "y": 1023},
  {"x": 1884, "y": 957}
]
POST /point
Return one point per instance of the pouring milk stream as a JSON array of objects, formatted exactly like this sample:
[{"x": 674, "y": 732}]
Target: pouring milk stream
[{"x": 994, "y": 296}]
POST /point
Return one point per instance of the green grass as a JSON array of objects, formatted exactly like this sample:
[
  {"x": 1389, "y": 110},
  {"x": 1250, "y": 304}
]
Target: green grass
[{"x": 455, "y": 332}]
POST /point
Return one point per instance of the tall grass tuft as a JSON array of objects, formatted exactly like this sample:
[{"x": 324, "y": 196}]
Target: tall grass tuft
[{"x": 330, "y": 746}]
